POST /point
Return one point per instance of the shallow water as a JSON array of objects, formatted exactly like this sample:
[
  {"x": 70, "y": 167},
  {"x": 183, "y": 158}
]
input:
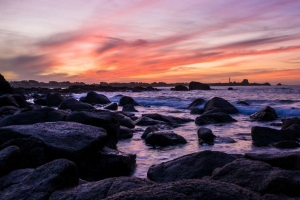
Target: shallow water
[{"x": 284, "y": 99}]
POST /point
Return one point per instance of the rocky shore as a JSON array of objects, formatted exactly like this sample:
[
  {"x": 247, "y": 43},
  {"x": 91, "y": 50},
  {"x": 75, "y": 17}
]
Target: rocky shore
[{"x": 62, "y": 148}]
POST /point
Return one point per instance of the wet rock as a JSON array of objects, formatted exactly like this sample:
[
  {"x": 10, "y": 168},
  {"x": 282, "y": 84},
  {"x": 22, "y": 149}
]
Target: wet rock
[
  {"x": 265, "y": 114},
  {"x": 287, "y": 144},
  {"x": 192, "y": 166},
  {"x": 8, "y": 100},
  {"x": 164, "y": 138},
  {"x": 198, "y": 86},
  {"x": 74, "y": 105},
  {"x": 125, "y": 133},
  {"x": 14, "y": 177},
  {"x": 127, "y": 100},
  {"x": 125, "y": 121},
  {"x": 167, "y": 119},
  {"x": 148, "y": 130},
  {"x": 224, "y": 140},
  {"x": 181, "y": 88},
  {"x": 264, "y": 136},
  {"x": 205, "y": 135},
  {"x": 196, "y": 102},
  {"x": 260, "y": 177},
  {"x": 101, "y": 189},
  {"x": 286, "y": 123},
  {"x": 40, "y": 101},
  {"x": 95, "y": 98},
  {"x": 243, "y": 103},
  {"x": 230, "y": 88},
  {"x": 189, "y": 189},
  {"x": 5, "y": 87},
  {"x": 104, "y": 119},
  {"x": 7, "y": 111},
  {"x": 197, "y": 111},
  {"x": 129, "y": 108},
  {"x": 9, "y": 160},
  {"x": 54, "y": 99},
  {"x": 111, "y": 106},
  {"x": 34, "y": 116},
  {"x": 214, "y": 118},
  {"x": 222, "y": 104},
  {"x": 43, "y": 181}
]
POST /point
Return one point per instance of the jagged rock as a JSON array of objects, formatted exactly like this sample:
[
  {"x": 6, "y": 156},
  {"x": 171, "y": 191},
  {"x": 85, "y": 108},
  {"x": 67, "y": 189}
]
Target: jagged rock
[
  {"x": 181, "y": 88},
  {"x": 146, "y": 121},
  {"x": 264, "y": 136},
  {"x": 205, "y": 135},
  {"x": 5, "y": 87},
  {"x": 111, "y": 106},
  {"x": 9, "y": 160},
  {"x": 125, "y": 121},
  {"x": 74, "y": 105},
  {"x": 222, "y": 104},
  {"x": 54, "y": 99},
  {"x": 125, "y": 133},
  {"x": 13, "y": 100},
  {"x": 101, "y": 189},
  {"x": 34, "y": 116},
  {"x": 95, "y": 98},
  {"x": 196, "y": 102},
  {"x": 127, "y": 100},
  {"x": 129, "y": 108},
  {"x": 192, "y": 166},
  {"x": 198, "y": 86},
  {"x": 148, "y": 130},
  {"x": 164, "y": 138},
  {"x": 265, "y": 114},
  {"x": 214, "y": 118},
  {"x": 230, "y": 88},
  {"x": 43, "y": 181}
]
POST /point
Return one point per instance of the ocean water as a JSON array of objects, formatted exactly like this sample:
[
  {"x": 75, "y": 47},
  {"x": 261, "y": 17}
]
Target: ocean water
[{"x": 284, "y": 99}]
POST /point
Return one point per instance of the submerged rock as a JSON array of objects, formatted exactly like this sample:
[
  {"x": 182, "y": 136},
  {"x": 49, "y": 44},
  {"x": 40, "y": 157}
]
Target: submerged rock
[
  {"x": 222, "y": 104},
  {"x": 243, "y": 103},
  {"x": 180, "y": 88},
  {"x": 198, "y": 86},
  {"x": 167, "y": 119},
  {"x": 164, "y": 138},
  {"x": 265, "y": 114},
  {"x": 125, "y": 133},
  {"x": 286, "y": 144}
]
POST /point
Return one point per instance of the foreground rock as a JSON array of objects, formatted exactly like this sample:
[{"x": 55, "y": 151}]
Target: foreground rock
[
  {"x": 222, "y": 104},
  {"x": 164, "y": 138},
  {"x": 196, "y": 102},
  {"x": 188, "y": 189},
  {"x": 9, "y": 159},
  {"x": 198, "y": 86},
  {"x": 266, "y": 114},
  {"x": 13, "y": 100},
  {"x": 34, "y": 116},
  {"x": 101, "y": 189},
  {"x": 43, "y": 181},
  {"x": 95, "y": 98},
  {"x": 264, "y": 136},
  {"x": 5, "y": 87},
  {"x": 73, "y": 104},
  {"x": 127, "y": 100},
  {"x": 214, "y": 118},
  {"x": 192, "y": 166}
]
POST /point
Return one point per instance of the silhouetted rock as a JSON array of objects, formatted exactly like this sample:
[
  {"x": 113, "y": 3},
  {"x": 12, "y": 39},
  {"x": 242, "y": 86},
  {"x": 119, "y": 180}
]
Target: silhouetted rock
[
  {"x": 111, "y": 106},
  {"x": 146, "y": 121},
  {"x": 230, "y": 88},
  {"x": 127, "y": 100},
  {"x": 286, "y": 144},
  {"x": 129, "y": 108},
  {"x": 7, "y": 111},
  {"x": 9, "y": 159},
  {"x": 286, "y": 123},
  {"x": 180, "y": 88},
  {"x": 191, "y": 166},
  {"x": 164, "y": 138},
  {"x": 34, "y": 116},
  {"x": 8, "y": 100},
  {"x": 40, "y": 101},
  {"x": 198, "y": 86},
  {"x": 214, "y": 118},
  {"x": 101, "y": 189},
  {"x": 224, "y": 140},
  {"x": 125, "y": 133},
  {"x": 266, "y": 114},
  {"x": 148, "y": 130},
  {"x": 197, "y": 111},
  {"x": 73, "y": 105},
  {"x": 5, "y": 87},
  {"x": 245, "y": 82},
  {"x": 222, "y": 104},
  {"x": 43, "y": 181},
  {"x": 54, "y": 99},
  {"x": 125, "y": 121},
  {"x": 95, "y": 98},
  {"x": 243, "y": 103},
  {"x": 205, "y": 135},
  {"x": 264, "y": 136},
  {"x": 196, "y": 102},
  {"x": 279, "y": 84}
]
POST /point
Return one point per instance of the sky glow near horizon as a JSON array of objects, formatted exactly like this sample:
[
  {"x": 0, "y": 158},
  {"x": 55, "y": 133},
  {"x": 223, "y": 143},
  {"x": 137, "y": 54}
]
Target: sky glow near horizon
[{"x": 150, "y": 40}]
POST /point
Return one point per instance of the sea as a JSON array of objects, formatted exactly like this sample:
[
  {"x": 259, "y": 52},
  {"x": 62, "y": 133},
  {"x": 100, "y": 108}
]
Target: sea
[{"x": 284, "y": 99}]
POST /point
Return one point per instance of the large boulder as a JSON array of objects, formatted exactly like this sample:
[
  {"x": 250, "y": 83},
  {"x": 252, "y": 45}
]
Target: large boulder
[
  {"x": 101, "y": 189},
  {"x": 222, "y": 104},
  {"x": 214, "y": 118},
  {"x": 8, "y": 100},
  {"x": 9, "y": 159},
  {"x": 5, "y": 87},
  {"x": 264, "y": 136},
  {"x": 192, "y": 166},
  {"x": 43, "y": 181},
  {"x": 99, "y": 118},
  {"x": 95, "y": 98},
  {"x": 260, "y": 177},
  {"x": 188, "y": 189},
  {"x": 127, "y": 100},
  {"x": 54, "y": 99},
  {"x": 164, "y": 138},
  {"x": 266, "y": 114},
  {"x": 34, "y": 116},
  {"x": 73, "y": 105},
  {"x": 196, "y": 102},
  {"x": 198, "y": 86}
]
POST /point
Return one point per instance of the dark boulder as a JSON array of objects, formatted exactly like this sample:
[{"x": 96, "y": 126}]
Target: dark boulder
[
  {"x": 129, "y": 108},
  {"x": 125, "y": 121},
  {"x": 286, "y": 144},
  {"x": 266, "y": 114},
  {"x": 295, "y": 128},
  {"x": 206, "y": 135},
  {"x": 286, "y": 123},
  {"x": 101, "y": 189},
  {"x": 164, "y": 138},
  {"x": 198, "y": 86},
  {"x": 197, "y": 111},
  {"x": 7, "y": 111},
  {"x": 73, "y": 105},
  {"x": 14, "y": 177},
  {"x": 34, "y": 116},
  {"x": 111, "y": 106},
  {"x": 9, "y": 159},
  {"x": 243, "y": 103},
  {"x": 192, "y": 166},
  {"x": 264, "y": 136},
  {"x": 222, "y": 104},
  {"x": 189, "y": 189},
  {"x": 125, "y": 133},
  {"x": 214, "y": 118},
  {"x": 43, "y": 181},
  {"x": 40, "y": 101},
  {"x": 8, "y": 100},
  {"x": 54, "y": 99},
  {"x": 95, "y": 98},
  {"x": 196, "y": 102},
  {"x": 181, "y": 88},
  {"x": 5, "y": 87},
  {"x": 127, "y": 100},
  {"x": 146, "y": 121},
  {"x": 230, "y": 88},
  {"x": 148, "y": 130}
]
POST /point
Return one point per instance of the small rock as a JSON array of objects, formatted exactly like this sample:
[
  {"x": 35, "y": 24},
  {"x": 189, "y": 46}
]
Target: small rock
[
  {"x": 286, "y": 144},
  {"x": 196, "y": 102},
  {"x": 206, "y": 135},
  {"x": 127, "y": 100},
  {"x": 164, "y": 138},
  {"x": 129, "y": 108},
  {"x": 265, "y": 114},
  {"x": 148, "y": 130}
]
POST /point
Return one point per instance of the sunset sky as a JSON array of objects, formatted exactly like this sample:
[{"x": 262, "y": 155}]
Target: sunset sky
[{"x": 150, "y": 40}]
